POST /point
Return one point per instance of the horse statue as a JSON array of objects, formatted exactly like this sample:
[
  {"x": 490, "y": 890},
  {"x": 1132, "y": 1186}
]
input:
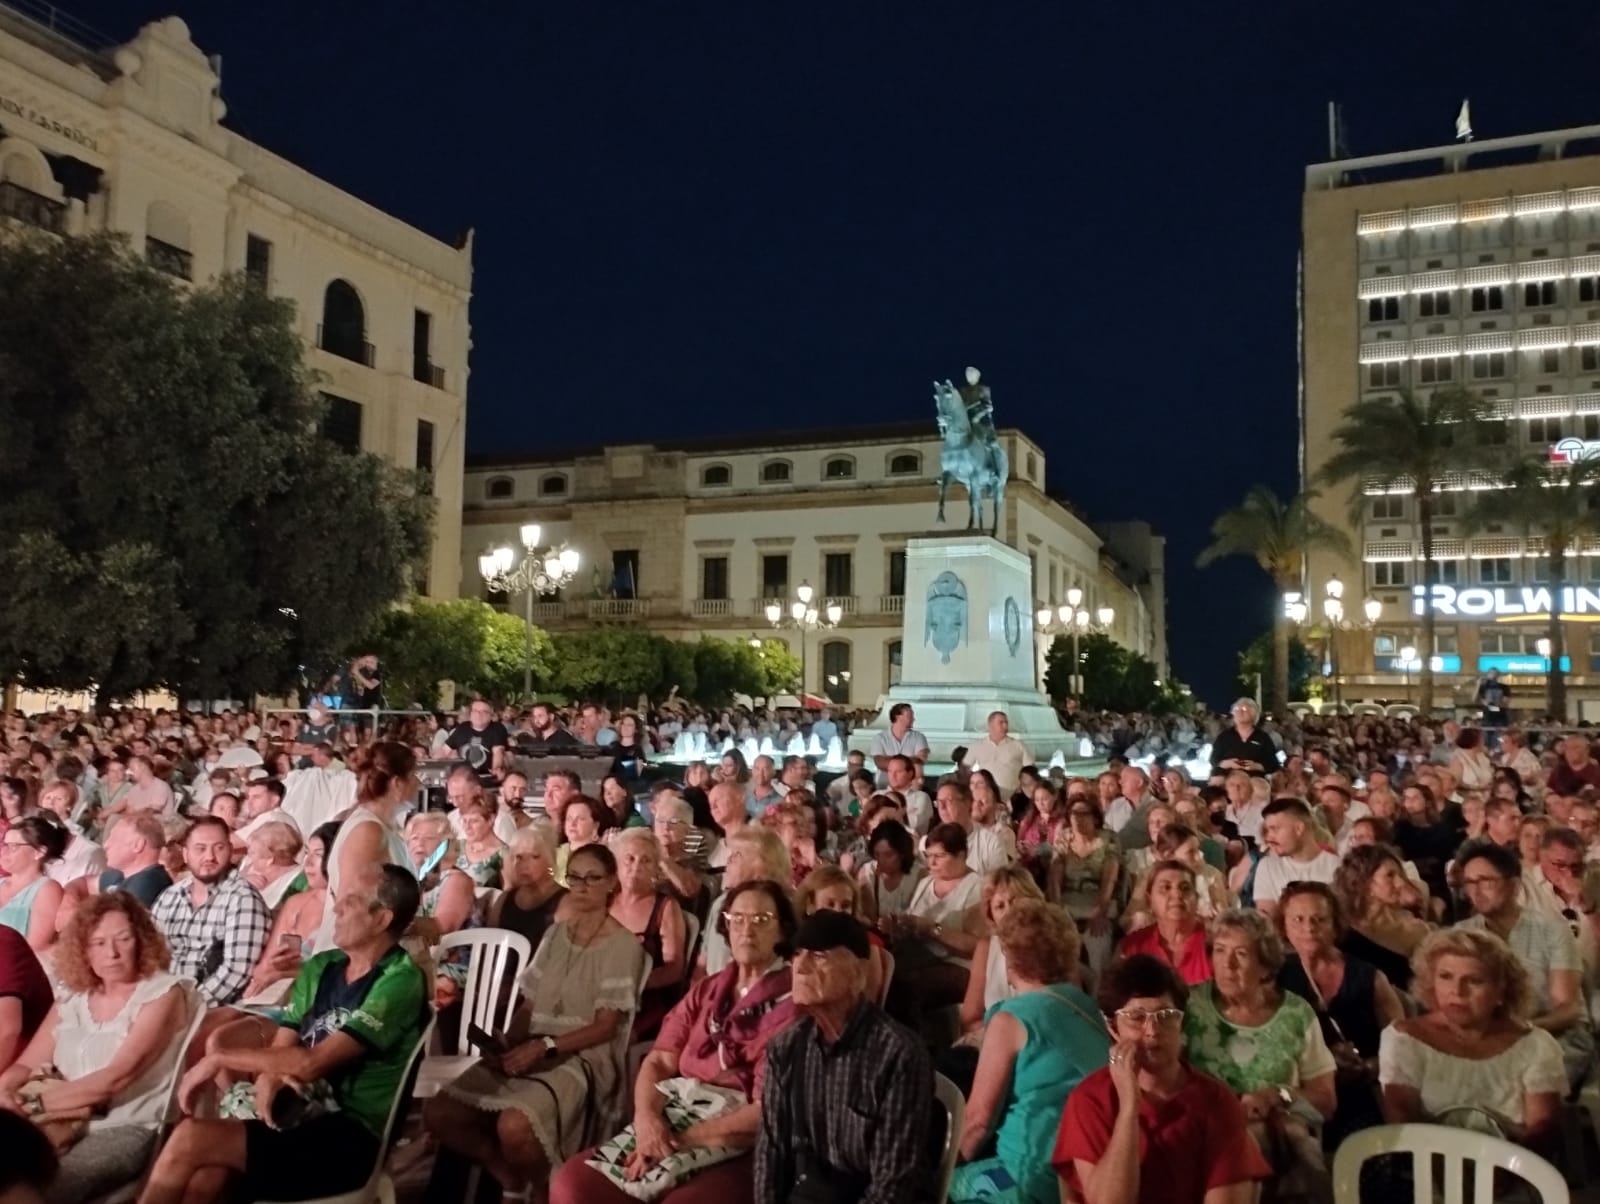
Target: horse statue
[{"x": 971, "y": 453}]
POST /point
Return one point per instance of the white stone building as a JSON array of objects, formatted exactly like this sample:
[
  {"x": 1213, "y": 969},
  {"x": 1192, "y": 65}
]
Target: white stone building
[
  {"x": 690, "y": 537},
  {"x": 130, "y": 139}
]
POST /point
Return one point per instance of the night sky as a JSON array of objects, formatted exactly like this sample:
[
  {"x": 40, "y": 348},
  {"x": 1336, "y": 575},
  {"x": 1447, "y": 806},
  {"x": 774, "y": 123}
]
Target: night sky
[{"x": 724, "y": 218}]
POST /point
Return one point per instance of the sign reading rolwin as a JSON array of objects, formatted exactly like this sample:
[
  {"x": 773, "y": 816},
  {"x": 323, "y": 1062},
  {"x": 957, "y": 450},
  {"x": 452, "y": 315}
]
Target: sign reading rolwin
[{"x": 1502, "y": 600}]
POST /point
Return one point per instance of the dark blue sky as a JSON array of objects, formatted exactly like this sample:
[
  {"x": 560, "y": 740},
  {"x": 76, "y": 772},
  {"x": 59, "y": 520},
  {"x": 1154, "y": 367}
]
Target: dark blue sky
[{"x": 719, "y": 218}]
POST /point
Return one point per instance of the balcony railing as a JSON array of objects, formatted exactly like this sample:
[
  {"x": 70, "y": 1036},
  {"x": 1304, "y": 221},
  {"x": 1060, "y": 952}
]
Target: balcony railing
[
  {"x": 712, "y": 608},
  {"x": 165, "y": 257},
  {"x": 619, "y": 610},
  {"x": 28, "y": 206},
  {"x": 548, "y": 612},
  {"x": 347, "y": 346},
  {"x": 891, "y": 604},
  {"x": 428, "y": 372}
]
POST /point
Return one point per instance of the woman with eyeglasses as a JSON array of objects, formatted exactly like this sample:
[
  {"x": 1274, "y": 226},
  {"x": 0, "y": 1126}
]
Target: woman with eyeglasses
[
  {"x": 1149, "y": 1128},
  {"x": 1084, "y": 867},
  {"x": 533, "y": 1106},
  {"x": 717, "y": 1037},
  {"x": 29, "y": 899}
]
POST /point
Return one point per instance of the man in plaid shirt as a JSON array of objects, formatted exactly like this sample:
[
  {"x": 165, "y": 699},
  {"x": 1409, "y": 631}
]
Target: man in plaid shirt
[{"x": 215, "y": 922}]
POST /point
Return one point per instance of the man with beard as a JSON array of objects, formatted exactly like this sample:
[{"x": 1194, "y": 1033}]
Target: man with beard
[
  {"x": 215, "y": 922},
  {"x": 481, "y": 741}
]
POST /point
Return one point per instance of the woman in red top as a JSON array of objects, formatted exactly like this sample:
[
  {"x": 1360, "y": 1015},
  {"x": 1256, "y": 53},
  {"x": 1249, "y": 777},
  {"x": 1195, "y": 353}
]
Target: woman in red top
[
  {"x": 1147, "y": 1129},
  {"x": 717, "y": 1035},
  {"x": 1177, "y": 937},
  {"x": 1037, "y": 832}
]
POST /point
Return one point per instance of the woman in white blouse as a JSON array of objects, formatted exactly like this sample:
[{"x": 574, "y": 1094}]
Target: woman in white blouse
[{"x": 1472, "y": 1058}]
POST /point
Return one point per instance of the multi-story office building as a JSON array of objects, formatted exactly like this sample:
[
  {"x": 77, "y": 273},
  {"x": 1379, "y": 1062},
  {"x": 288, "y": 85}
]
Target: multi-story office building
[
  {"x": 696, "y": 536},
  {"x": 130, "y": 139},
  {"x": 1473, "y": 264}
]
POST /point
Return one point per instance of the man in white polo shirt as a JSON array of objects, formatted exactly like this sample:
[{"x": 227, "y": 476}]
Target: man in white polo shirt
[
  {"x": 899, "y": 739},
  {"x": 1293, "y": 854},
  {"x": 1002, "y": 754}
]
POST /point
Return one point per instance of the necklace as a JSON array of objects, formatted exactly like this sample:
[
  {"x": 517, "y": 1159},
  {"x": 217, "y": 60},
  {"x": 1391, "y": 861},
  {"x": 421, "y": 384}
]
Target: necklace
[{"x": 576, "y": 944}]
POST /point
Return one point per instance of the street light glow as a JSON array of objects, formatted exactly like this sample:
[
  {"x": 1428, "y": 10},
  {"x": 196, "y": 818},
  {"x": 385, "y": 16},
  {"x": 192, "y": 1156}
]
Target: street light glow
[
  {"x": 530, "y": 536},
  {"x": 805, "y": 593},
  {"x": 1074, "y": 598}
]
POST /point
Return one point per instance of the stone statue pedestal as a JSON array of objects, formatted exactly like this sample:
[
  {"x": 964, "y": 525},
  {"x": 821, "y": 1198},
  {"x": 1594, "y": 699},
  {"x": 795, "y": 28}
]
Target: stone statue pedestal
[{"x": 967, "y": 649}]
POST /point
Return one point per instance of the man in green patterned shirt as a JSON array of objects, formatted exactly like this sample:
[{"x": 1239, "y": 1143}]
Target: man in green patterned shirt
[{"x": 314, "y": 1103}]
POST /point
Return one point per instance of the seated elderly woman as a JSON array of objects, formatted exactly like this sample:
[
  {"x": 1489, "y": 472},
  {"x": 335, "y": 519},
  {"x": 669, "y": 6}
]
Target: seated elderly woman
[
  {"x": 753, "y": 853},
  {"x": 111, "y": 1041},
  {"x": 1353, "y": 1000},
  {"x": 672, "y": 820},
  {"x": 449, "y": 898},
  {"x": 1180, "y": 843},
  {"x": 1038, "y": 1045},
  {"x": 483, "y": 853},
  {"x": 829, "y": 888},
  {"x": 716, "y": 1037},
  {"x": 1177, "y": 934},
  {"x": 796, "y": 825},
  {"x": 1472, "y": 1058},
  {"x": 29, "y": 898},
  {"x": 934, "y": 938},
  {"x": 1373, "y": 890},
  {"x": 532, "y": 895},
  {"x": 652, "y": 914},
  {"x": 531, "y": 1108},
  {"x": 273, "y": 862},
  {"x": 1266, "y": 1045},
  {"x": 1190, "y": 1144},
  {"x": 289, "y": 942},
  {"x": 584, "y": 821}
]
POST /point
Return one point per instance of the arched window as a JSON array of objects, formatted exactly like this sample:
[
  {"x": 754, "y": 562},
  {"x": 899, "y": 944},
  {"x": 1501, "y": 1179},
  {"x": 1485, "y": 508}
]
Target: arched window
[
  {"x": 895, "y": 658},
  {"x": 498, "y": 487},
  {"x": 554, "y": 485},
  {"x": 776, "y": 472},
  {"x": 344, "y": 324},
  {"x": 166, "y": 240},
  {"x": 905, "y": 464},
  {"x": 35, "y": 196},
  {"x": 836, "y": 671},
  {"x": 839, "y": 468},
  {"x": 716, "y": 474}
]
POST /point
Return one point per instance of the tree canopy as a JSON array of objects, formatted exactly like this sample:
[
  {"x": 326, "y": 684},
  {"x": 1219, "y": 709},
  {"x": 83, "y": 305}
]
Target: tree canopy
[
  {"x": 1115, "y": 678},
  {"x": 172, "y": 516}
]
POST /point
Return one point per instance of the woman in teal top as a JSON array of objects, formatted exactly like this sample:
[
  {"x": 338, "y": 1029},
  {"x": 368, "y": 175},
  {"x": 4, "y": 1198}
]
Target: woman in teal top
[{"x": 1037, "y": 1046}]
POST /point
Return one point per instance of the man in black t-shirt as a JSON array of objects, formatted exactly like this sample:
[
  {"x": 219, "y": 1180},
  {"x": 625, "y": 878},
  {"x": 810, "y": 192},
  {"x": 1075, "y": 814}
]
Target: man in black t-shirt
[
  {"x": 481, "y": 741},
  {"x": 1244, "y": 745}
]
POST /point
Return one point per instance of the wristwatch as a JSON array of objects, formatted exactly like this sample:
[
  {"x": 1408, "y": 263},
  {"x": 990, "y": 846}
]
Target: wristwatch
[
  {"x": 549, "y": 1044},
  {"x": 938, "y": 929}
]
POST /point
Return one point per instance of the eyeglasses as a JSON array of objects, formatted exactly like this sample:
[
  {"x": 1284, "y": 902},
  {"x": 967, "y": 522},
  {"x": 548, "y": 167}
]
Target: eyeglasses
[
  {"x": 1138, "y": 1017},
  {"x": 1566, "y": 867},
  {"x": 585, "y": 880},
  {"x": 749, "y": 919}
]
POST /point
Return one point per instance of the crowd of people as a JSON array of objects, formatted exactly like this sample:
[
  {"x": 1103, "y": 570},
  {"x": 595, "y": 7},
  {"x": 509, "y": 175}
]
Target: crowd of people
[{"x": 1149, "y": 984}]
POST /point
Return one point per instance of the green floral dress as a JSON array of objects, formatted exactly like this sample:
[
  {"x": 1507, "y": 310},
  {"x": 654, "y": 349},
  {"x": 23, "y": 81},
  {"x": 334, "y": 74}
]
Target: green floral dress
[
  {"x": 1283, "y": 1052},
  {"x": 1081, "y": 876}
]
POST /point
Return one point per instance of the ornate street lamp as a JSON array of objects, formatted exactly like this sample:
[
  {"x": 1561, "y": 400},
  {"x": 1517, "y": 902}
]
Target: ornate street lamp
[
  {"x": 805, "y": 618},
  {"x": 1071, "y": 620},
  {"x": 540, "y": 571}
]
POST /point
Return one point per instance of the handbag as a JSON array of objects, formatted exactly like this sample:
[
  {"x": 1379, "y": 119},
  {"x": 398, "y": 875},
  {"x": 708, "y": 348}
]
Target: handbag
[
  {"x": 65, "y": 1128},
  {"x": 689, "y": 1101}
]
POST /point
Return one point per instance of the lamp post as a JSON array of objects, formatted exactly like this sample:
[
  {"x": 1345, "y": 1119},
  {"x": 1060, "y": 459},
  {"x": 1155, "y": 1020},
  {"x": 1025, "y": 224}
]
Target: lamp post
[
  {"x": 1407, "y": 655},
  {"x": 540, "y": 571},
  {"x": 804, "y": 618},
  {"x": 1544, "y": 647},
  {"x": 1076, "y": 622},
  {"x": 1333, "y": 613}
]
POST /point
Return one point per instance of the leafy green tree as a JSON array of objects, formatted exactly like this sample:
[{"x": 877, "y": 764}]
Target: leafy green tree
[
  {"x": 505, "y": 650},
  {"x": 464, "y": 640},
  {"x": 780, "y": 668},
  {"x": 1115, "y": 678},
  {"x": 171, "y": 515},
  {"x": 1257, "y": 660},
  {"x": 1560, "y": 505},
  {"x": 610, "y": 664},
  {"x": 1278, "y": 536},
  {"x": 1415, "y": 445}
]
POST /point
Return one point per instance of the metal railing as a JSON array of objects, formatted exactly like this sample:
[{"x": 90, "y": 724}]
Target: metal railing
[
  {"x": 428, "y": 372},
  {"x": 347, "y": 346},
  {"x": 28, "y": 206},
  {"x": 60, "y": 23}
]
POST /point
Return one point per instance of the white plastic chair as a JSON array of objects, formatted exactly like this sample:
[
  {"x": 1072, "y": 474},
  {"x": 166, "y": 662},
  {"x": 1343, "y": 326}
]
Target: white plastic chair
[
  {"x": 888, "y": 977},
  {"x": 493, "y": 951},
  {"x": 691, "y": 942},
  {"x": 379, "y": 1187},
  {"x": 955, "y": 1107},
  {"x": 1459, "y": 1147}
]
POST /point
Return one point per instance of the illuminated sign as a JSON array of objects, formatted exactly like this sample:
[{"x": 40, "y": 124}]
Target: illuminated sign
[
  {"x": 1571, "y": 450},
  {"x": 1502, "y": 600},
  {"x": 1520, "y": 663},
  {"x": 1441, "y": 664}
]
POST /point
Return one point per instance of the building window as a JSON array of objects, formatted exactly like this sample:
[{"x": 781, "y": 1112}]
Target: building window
[
  {"x": 1384, "y": 375},
  {"x": 1550, "y": 359},
  {"x": 775, "y": 575},
  {"x": 1388, "y": 507},
  {"x": 838, "y": 575},
  {"x": 776, "y": 472},
  {"x": 553, "y": 485},
  {"x": 1389, "y": 572},
  {"x": 896, "y": 656},
  {"x": 1544, "y": 430},
  {"x": 836, "y": 671},
  {"x": 716, "y": 474},
  {"x": 1489, "y": 299},
  {"x": 1539, "y": 570},
  {"x": 1589, "y": 358},
  {"x": 1444, "y": 505},
  {"x": 166, "y": 241},
  {"x": 342, "y": 422},
  {"x": 839, "y": 468},
  {"x": 344, "y": 324},
  {"x": 1433, "y": 305},
  {"x": 1489, "y": 366},
  {"x": 1539, "y": 292},
  {"x": 625, "y": 573},
  {"x": 897, "y": 574},
  {"x": 1436, "y": 371},
  {"x": 424, "y": 460},
  {"x": 905, "y": 464},
  {"x": 258, "y": 260},
  {"x": 714, "y": 579},
  {"x": 1588, "y": 289},
  {"x": 1383, "y": 309},
  {"x": 422, "y": 366},
  {"x": 1588, "y": 426},
  {"x": 1494, "y": 570},
  {"x": 498, "y": 488},
  {"x": 1449, "y": 571}
]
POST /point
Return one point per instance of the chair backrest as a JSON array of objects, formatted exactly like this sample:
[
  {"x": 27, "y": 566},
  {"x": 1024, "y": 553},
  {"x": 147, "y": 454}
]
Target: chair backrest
[
  {"x": 888, "y": 976},
  {"x": 1458, "y": 1147},
  {"x": 197, "y": 1016},
  {"x": 950, "y": 1099},
  {"x": 691, "y": 941},
  {"x": 488, "y": 1001},
  {"x": 402, "y": 1096}
]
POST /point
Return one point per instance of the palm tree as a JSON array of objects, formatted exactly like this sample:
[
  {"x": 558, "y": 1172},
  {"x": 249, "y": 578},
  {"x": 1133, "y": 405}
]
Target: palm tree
[
  {"x": 1554, "y": 503},
  {"x": 1278, "y": 536},
  {"x": 1414, "y": 444}
]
